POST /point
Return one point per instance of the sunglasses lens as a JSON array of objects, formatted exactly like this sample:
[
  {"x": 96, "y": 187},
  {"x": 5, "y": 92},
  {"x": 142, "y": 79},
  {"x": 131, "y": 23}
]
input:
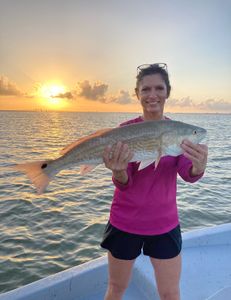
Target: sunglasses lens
[{"x": 145, "y": 66}]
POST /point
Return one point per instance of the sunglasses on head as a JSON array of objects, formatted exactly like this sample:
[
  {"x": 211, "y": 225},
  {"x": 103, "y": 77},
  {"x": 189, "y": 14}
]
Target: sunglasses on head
[{"x": 145, "y": 66}]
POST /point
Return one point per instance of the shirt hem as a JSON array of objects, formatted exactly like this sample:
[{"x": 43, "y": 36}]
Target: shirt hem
[{"x": 155, "y": 231}]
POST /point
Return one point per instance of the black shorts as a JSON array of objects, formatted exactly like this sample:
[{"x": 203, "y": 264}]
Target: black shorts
[{"x": 124, "y": 245}]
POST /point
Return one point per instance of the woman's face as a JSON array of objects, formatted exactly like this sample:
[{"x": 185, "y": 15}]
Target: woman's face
[{"x": 152, "y": 93}]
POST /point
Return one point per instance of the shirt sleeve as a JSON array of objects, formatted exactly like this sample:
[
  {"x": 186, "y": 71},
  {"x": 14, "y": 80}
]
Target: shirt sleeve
[{"x": 183, "y": 168}]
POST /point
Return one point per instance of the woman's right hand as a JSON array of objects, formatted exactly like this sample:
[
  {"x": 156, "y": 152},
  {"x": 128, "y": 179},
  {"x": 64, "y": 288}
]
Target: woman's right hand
[{"x": 116, "y": 158}]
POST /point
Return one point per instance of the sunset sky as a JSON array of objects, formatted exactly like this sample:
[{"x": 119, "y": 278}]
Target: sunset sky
[{"x": 82, "y": 55}]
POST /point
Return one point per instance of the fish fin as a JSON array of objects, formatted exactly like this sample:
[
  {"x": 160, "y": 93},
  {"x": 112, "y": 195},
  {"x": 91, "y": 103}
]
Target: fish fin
[
  {"x": 70, "y": 146},
  {"x": 84, "y": 139},
  {"x": 84, "y": 169},
  {"x": 158, "y": 157},
  {"x": 148, "y": 161},
  {"x": 157, "y": 161},
  {"x": 145, "y": 163},
  {"x": 35, "y": 172},
  {"x": 173, "y": 150}
]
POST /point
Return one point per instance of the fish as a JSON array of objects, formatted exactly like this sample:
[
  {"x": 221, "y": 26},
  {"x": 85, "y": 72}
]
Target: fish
[{"x": 148, "y": 141}]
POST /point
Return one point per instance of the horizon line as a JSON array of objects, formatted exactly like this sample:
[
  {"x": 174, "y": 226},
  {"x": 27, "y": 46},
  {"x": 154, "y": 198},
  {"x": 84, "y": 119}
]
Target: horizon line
[{"x": 125, "y": 112}]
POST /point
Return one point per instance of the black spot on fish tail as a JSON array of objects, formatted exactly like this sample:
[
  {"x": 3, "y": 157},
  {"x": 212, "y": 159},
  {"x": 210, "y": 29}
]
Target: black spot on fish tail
[{"x": 43, "y": 166}]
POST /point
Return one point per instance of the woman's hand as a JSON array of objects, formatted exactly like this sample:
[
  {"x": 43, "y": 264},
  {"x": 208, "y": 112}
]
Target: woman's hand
[
  {"x": 198, "y": 154},
  {"x": 116, "y": 159}
]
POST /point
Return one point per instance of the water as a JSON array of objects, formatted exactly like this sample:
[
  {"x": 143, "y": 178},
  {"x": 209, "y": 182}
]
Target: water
[{"x": 41, "y": 235}]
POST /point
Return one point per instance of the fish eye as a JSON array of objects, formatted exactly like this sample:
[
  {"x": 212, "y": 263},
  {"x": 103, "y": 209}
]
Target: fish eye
[{"x": 194, "y": 132}]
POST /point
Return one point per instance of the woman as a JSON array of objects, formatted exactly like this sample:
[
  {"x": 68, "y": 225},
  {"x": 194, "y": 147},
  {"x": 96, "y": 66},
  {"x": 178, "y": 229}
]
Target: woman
[{"x": 144, "y": 211}]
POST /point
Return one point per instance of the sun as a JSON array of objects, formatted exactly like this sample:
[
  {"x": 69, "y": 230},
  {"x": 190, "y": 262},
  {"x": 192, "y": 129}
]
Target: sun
[
  {"x": 51, "y": 91},
  {"x": 52, "y": 95}
]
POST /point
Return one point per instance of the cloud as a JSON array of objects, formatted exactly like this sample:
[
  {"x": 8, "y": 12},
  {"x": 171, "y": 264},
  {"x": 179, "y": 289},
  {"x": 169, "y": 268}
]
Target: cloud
[
  {"x": 8, "y": 88},
  {"x": 67, "y": 95},
  {"x": 209, "y": 105},
  {"x": 215, "y": 105},
  {"x": 98, "y": 92},
  {"x": 183, "y": 102},
  {"x": 123, "y": 97},
  {"x": 95, "y": 91}
]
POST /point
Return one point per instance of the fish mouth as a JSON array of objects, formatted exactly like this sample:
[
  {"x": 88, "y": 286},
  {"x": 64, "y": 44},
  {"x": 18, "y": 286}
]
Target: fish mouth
[
  {"x": 203, "y": 135},
  {"x": 204, "y": 139}
]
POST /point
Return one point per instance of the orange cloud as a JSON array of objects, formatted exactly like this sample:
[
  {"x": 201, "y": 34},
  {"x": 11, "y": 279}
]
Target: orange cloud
[{"x": 8, "y": 88}]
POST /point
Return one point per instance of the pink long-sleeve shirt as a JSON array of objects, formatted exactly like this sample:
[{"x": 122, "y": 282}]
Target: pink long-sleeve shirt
[{"x": 147, "y": 205}]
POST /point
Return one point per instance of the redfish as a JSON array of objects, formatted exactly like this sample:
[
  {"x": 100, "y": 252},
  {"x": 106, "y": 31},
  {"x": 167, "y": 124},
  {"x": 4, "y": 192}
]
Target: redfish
[{"x": 149, "y": 141}]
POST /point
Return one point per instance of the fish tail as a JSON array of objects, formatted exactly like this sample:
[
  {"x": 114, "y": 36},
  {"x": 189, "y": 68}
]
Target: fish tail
[{"x": 37, "y": 173}]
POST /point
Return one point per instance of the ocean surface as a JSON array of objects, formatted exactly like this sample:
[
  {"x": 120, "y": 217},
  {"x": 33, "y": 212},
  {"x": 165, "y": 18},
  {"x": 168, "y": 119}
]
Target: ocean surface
[{"x": 45, "y": 234}]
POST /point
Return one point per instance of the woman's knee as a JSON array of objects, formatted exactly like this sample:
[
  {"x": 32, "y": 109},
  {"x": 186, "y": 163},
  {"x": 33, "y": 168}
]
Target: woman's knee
[
  {"x": 167, "y": 274},
  {"x": 119, "y": 273},
  {"x": 117, "y": 288},
  {"x": 170, "y": 294}
]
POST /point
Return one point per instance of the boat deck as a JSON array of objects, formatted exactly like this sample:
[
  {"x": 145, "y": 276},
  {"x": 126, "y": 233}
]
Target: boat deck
[
  {"x": 206, "y": 274},
  {"x": 133, "y": 293}
]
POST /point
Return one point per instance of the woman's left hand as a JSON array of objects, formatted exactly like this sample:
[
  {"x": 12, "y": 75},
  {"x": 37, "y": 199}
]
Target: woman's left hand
[{"x": 198, "y": 154}]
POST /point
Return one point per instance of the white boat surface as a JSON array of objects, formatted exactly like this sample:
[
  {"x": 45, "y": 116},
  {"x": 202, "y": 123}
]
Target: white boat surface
[{"x": 206, "y": 274}]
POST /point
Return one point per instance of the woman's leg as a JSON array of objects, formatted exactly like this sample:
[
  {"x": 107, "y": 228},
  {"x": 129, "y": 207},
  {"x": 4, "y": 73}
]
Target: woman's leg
[
  {"x": 167, "y": 272},
  {"x": 119, "y": 275}
]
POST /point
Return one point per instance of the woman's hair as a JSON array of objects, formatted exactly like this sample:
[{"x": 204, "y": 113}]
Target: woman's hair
[{"x": 151, "y": 70}]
